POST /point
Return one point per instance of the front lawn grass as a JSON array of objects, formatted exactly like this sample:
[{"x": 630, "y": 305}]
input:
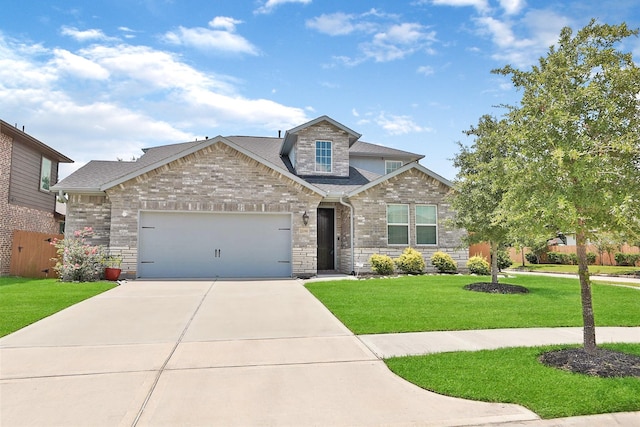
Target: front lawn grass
[
  {"x": 573, "y": 269},
  {"x": 514, "y": 375},
  {"x": 439, "y": 303},
  {"x": 25, "y": 301}
]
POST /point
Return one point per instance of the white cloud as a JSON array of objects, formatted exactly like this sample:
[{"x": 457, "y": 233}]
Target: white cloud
[
  {"x": 334, "y": 24},
  {"x": 355, "y": 113},
  {"x": 512, "y": 7},
  {"x": 221, "y": 38},
  {"x": 270, "y": 5},
  {"x": 388, "y": 39},
  {"x": 399, "y": 125},
  {"x": 84, "y": 35},
  {"x": 78, "y": 66},
  {"x": 399, "y": 41},
  {"x": 538, "y": 30},
  {"x": 425, "y": 70}
]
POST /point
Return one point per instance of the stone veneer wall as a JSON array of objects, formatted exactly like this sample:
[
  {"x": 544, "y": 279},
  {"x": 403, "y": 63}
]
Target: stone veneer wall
[
  {"x": 214, "y": 179},
  {"x": 412, "y": 188},
  {"x": 14, "y": 217},
  {"x": 306, "y": 149}
]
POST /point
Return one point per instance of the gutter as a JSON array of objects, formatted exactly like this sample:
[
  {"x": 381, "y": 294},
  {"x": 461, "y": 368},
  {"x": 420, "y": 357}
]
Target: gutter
[{"x": 342, "y": 202}]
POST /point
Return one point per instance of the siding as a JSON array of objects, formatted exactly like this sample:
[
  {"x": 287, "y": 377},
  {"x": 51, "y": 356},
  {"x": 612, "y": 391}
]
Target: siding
[{"x": 24, "y": 184}]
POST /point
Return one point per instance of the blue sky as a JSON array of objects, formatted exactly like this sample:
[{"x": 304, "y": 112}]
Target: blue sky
[{"x": 103, "y": 79}]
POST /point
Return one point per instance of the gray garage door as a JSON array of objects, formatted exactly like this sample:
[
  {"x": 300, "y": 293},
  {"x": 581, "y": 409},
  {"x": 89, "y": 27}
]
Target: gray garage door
[{"x": 206, "y": 245}]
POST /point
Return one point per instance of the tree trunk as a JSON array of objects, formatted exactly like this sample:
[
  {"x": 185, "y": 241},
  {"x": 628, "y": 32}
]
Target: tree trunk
[
  {"x": 589, "y": 329},
  {"x": 494, "y": 262}
]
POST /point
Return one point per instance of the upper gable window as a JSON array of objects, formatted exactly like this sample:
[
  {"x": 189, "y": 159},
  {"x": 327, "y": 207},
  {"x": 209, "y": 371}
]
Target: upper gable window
[
  {"x": 45, "y": 174},
  {"x": 323, "y": 156},
  {"x": 391, "y": 165}
]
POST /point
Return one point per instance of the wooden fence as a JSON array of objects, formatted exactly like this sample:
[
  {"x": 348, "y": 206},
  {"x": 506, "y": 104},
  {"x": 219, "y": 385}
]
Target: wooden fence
[
  {"x": 31, "y": 254},
  {"x": 483, "y": 250}
]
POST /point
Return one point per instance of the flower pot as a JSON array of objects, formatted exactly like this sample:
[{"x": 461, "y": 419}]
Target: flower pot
[{"x": 112, "y": 273}]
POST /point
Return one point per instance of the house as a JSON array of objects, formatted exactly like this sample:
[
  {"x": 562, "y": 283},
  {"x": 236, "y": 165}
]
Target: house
[
  {"x": 28, "y": 168},
  {"x": 317, "y": 199}
]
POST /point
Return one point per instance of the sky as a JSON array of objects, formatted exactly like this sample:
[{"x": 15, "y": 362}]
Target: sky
[{"x": 100, "y": 80}]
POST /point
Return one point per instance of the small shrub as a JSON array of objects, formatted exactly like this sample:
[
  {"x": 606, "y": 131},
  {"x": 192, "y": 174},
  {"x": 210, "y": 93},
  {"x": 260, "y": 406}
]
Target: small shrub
[
  {"x": 591, "y": 257},
  {"x": 478, "y": 265},
  {"x": 444, "y": 263},
  {"x": 410, "y": 262},
  {"x": 531, "y": 257},
  {"x": 627, "y": 259},
  {"x": 78, "y": 261},
  {"x": 381, "y": 264},
  {"x": 504, "y": 260}
]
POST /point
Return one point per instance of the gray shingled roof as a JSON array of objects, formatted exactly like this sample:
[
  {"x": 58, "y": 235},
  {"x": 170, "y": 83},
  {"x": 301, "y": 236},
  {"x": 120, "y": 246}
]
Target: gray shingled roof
[{"x": 96, "y": 173}]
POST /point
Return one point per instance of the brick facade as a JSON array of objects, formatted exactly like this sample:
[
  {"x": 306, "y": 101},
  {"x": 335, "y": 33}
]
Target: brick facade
[
  {"x": 411, "y": 188},
  {"x": 214, "y": 179},
  {"x": 13, "y": 217}
]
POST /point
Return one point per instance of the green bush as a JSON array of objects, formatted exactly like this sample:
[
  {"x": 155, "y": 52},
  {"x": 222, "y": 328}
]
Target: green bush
[
  {"x": 591, "y": 257},
  {"x": 504, "y": 260},
  {"x": 478, "y": 265},
  {"x": 381, "y": 264},
  {"x": 627, "y": 259},
  {"x": 444, "y": 263},
  {"x": 410, "y": 262},
  {"x": 531, "y": 257}
]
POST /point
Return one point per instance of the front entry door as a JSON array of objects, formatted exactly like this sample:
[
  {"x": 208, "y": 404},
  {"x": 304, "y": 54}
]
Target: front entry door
[{"x": 326, "y": 243}]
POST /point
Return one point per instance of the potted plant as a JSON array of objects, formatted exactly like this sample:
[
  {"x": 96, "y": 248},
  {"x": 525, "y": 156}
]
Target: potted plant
[{"x": 112, "y": 268}]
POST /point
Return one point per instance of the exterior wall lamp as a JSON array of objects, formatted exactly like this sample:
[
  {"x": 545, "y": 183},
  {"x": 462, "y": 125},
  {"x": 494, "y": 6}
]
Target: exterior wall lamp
[{"x": 305, "y": 218}]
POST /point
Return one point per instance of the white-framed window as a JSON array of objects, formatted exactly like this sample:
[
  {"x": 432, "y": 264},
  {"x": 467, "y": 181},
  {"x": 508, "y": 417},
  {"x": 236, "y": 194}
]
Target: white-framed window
[
  {"x": 398, "y": 224},
  {"x": 426, "y": 225},
  {"x": 323, "y": 156},
  {"x": 45, "y": 174},
  {"x": 391, "y": 165}
]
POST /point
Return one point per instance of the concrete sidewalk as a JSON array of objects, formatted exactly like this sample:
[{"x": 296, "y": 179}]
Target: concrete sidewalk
[
  {"x": 203, "y": 353},
  {"x": 414, "y": 343}
]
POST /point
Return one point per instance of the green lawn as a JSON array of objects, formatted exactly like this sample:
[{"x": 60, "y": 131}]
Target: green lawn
[
  {"x": 514, "y": 375},
  {"x": 593, "y": 269},
  {"x": 439, "y": 303},
  {"x": 25, "y": 301}
]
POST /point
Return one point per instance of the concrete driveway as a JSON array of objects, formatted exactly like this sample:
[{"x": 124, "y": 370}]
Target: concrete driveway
[{"x": 211, "y": 353}]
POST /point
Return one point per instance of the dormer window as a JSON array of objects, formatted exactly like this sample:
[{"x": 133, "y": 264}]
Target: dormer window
[{"x": 324, "y": 156}]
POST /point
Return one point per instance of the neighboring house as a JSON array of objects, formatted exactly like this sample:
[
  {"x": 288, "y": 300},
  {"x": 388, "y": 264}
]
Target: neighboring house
[
  {"x": 238, "y": 206},
  {"x": 28, "y": 168}
]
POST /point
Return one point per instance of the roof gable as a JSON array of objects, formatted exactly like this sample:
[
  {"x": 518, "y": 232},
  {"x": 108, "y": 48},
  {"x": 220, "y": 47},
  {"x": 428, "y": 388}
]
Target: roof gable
[
  {"x": 399, "y": 171},
  {"x": 291, "y": 135}
]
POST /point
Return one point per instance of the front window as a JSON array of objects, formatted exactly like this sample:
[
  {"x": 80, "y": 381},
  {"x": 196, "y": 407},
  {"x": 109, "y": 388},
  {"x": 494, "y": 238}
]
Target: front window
[
  {"x": 391, "y": 165},
  {"x": 426, "y": 225},
  {"x": 398, "y": 224},
  {"x": 323, "y": 156},
  {"x": 45, "y": 174}
]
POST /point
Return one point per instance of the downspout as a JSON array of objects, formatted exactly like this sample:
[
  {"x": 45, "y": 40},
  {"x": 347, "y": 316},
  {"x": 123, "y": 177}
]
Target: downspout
[{"x": 342, "y": 202}]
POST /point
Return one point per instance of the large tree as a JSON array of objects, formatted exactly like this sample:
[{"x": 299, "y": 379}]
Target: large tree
[
  {"x": 575, "y": 144},
  {"x": 479, "y": 186}
]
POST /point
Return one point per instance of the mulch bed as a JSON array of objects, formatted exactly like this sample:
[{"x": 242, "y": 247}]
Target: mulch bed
[
  {"x": 604, "y": 363},
  {"x": 497, "y": 288}
]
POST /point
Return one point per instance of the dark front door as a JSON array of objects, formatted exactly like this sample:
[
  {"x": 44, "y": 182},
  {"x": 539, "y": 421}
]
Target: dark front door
[{"x": 326, "y": 243}]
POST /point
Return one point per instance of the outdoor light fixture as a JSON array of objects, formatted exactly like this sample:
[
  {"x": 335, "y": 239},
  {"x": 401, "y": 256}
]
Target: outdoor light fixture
[{"x": 305, "y": 218}]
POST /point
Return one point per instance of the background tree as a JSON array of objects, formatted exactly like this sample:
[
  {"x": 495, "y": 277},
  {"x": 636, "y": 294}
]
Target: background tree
[
  {"x": 606, "y": 242},
  {"x": 575, "y": 144},
  {"x": 479, "y": 186}
]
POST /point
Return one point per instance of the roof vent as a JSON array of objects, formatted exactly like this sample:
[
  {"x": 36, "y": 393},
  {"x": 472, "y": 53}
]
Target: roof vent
[{"x": 279, "y": 132}]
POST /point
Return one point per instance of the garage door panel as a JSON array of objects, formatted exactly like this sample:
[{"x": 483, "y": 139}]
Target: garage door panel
[{"x": 194, "y": 245}]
